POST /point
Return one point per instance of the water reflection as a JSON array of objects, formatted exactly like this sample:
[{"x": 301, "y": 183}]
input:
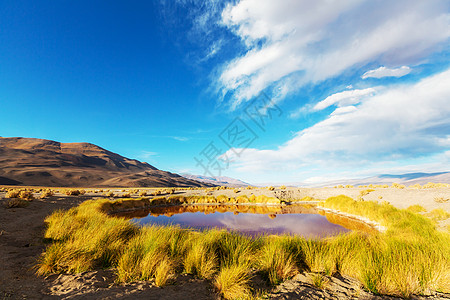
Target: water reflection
[{"x": 304, "y": 220}]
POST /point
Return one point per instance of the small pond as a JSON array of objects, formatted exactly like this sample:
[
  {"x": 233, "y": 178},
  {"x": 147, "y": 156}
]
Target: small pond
[{"x": 304, "y": 220}]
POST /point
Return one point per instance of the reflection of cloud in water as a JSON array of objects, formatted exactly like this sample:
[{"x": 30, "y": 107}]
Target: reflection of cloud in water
[
  {"x": 308, "y": 225},
  {"x": 301, "y": 224}
]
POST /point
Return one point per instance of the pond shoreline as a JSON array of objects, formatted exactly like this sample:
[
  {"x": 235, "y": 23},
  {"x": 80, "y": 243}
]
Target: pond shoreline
[{"x": 370, "y": 223}]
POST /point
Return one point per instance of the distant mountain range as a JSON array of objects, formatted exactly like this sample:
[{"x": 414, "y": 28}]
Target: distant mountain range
[
  {"x": 406, "y": 179},
  {"x": 217, "y": 180},
  {"x": 38, "y": 162}
]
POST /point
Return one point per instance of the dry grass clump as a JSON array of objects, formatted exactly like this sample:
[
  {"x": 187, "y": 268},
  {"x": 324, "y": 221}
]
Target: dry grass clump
[
  {"x": 46, "y": 193},
  {"x": 431, "y": 185},
  {"x": 13, "y": 193},
  {"x": 232, "y": 282},
  {"x": 364, "y": 193},
  {"x": 25, "y": 194},
  {"x": 170, "y": 191},
  {"x": 416, "y": 208},
  {"x": 397, "y": 185},
  {"x": 109, "y": 194},
  {"x": 271, "y": 188},
  {"x": 318, "y": 280},
  {"x": 283, "y": 187},
  {"x": 381, "y": 186},
  {"x": 438, "y": 214},
  {"x": 75, "y": 192},
  {"x": 415, "y": 186},
  {"x": 16, "y": 203},
  {"x": 441, "y": 199},
  {"x": 277, "y": 259},
  {"x": 84, "y": 238}
]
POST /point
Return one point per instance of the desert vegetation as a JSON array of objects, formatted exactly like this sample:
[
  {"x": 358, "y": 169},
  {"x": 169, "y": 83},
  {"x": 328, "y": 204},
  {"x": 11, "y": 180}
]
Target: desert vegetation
[{"x": 409, "y": 257}]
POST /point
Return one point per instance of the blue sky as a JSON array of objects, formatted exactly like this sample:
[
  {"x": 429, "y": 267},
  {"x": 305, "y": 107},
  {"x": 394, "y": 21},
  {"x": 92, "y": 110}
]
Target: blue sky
[{"x": 346, "y": 89}]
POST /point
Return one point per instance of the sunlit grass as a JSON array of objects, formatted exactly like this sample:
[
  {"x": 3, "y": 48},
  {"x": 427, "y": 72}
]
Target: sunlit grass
[
  {"x": 232, "y": 282},
  {"x": 410, "y": 257},
  {"x": 416, "y": 208},
  {"x": 438, "y": 214}
]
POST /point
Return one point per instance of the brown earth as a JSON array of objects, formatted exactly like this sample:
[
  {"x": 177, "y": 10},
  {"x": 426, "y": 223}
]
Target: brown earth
[
  {"x": 37, "y": 162},
  {"x": 21, "y": 243}
]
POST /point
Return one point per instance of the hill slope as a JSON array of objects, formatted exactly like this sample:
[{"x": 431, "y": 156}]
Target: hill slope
[{"x": 38, "y": 162}]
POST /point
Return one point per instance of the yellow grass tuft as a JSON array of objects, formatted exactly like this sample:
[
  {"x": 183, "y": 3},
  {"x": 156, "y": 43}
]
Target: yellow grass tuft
[
  {"x": 416, "y": 208},
  {"x": 438, "y": 214},
  {"x": 232, "y": 282}
]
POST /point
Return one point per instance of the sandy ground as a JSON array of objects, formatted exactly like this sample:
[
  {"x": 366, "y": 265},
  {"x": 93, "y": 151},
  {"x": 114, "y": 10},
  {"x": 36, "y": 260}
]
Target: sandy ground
[{"x": 21, "y": 243}]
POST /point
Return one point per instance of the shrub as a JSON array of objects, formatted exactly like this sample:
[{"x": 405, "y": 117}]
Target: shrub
[
  {"x": 46, "y": 194},
  {"x": 271, "y": 188},
  {"x": 26, "y": 195},
  {"x": 398, "y": 186},
  {"x": 13, "y": 193},
  {"x": 73, "y": 192},
  {"x": 15, "y": 203},
  {"x": 110, "y": 194}
]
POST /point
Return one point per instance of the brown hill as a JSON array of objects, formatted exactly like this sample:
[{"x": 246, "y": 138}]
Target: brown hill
[{"x": 37, "y": 162}]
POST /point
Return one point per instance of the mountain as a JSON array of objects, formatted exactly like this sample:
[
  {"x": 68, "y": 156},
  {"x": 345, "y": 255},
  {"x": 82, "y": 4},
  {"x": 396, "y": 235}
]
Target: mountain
[
  {"x": 217, "y": 180},
  {"x": 38, "y": 162}
]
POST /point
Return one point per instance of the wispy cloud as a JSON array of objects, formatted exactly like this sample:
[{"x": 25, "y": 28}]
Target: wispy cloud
[
  {"x": 344, "y": 98},
  {"x": 180, "y": 138},
  {"x": 386, "y": 72},
  {"x": 145, "y": 155},
  {"x": 293, "y": 42}
]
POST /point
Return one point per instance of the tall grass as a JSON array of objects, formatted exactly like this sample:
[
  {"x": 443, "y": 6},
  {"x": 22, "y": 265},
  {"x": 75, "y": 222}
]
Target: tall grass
[
  {"x": 411, "y": 257},
  {"x": 232, "y": 282}
]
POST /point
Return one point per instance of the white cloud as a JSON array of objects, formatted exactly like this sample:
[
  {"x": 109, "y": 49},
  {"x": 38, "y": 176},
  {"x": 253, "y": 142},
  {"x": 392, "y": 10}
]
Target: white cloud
[
  {"x": 180, "y": 138},
  {"x": 344, "y": 98},
  {"x": 144, "y": 155},
  {"x": 403, "y": 122},
  {"x": 386, "y": 72},
  {"x": 293, "y": 42}
]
